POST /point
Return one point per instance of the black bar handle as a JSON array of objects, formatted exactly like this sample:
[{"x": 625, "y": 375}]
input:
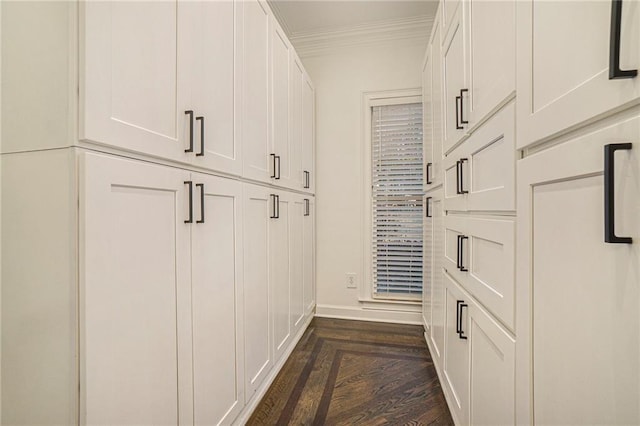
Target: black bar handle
[
  {"x": 462, "y": 238},
  {"x": 427, "y": 201},
  {"x": 306, "y": 207},
  {"x": 458, "y": 253},
  {"x": 190, "y": 183},
  {"x": 614, "y": 44},
  {"x": 201, "y": 186},
  {"x": 461, "y": 332},
  {"x": 609, "y": 190},
  {"x": 458, "y": 102},
  {"x": 428, "y": 173},
  {"x": 462, "y": 120},
  {"x": 278, "y": 158},
  {"x": 462, "y": 190},
  {"x": 274, "y": 208},
  {"x": 458, "y": 177},
  {"x": 201, "y": 120},
  {"x": 278, "y": 206},
  {"x": 273, "y": 164},
  {"x": 458, "y": 322},
  {"x": 307, "y": 179},
  {"x": 190, "y": 114}
]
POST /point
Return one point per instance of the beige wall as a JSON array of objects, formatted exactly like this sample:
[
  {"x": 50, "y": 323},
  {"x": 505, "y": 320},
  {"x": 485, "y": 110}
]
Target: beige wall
[{"x": 340, "y": 79}]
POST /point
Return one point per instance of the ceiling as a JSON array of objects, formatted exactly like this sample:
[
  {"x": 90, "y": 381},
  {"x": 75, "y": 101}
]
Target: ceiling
[{"x": 304, "y": 17}]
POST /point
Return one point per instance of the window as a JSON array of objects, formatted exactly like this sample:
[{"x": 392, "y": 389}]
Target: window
[{"x": 396, "y": 200}]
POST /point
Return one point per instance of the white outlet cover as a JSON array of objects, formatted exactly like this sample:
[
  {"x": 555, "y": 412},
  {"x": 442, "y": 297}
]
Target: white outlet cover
[{"x": 351, "y": 280}]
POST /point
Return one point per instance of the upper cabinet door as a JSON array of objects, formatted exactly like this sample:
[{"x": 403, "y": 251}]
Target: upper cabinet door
[
  {"x": 564, "y": 55},
  {"x": 296, "y": 123},
  {"x": 432, "y": 109},
  {"x": 255, "y": 90},
  {"x": 213, "y": 81},
  {"x": 280, "y": 140},
  {"x": 308, "y": 135},
  {"x": 491, "y": 33},
  {"x": 456, "y": 114},
  {"x": 130, "y": 70},
  {"x": 449, "y": 9}
]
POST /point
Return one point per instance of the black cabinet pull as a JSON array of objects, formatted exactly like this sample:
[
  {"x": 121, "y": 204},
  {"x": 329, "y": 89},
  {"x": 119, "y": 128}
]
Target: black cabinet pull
[
  {"x": 428, "y": 173},
  {"x": 458, "y": 102},
  {"x": 306, "y": 207},
  {"x": 458, "y": 303},
  {"x": 458, "y": 254},
  {"x": 307, "y": 179},
  {"x": 609, "y": 191},
  {"x": 190, "y": 114},
  {"x": 278, "y": 158},
  {"x": 461, "y": 249},
  {"x": 462, "y": 120},
  {"x": 190, "y": 183},
  {"x": 427, "y": 201},
  {"x": 201, "y": 186},
  {"x": 461, "y": 170},
  {"x": 276, "y": 206},
  {"x": 201, "y": 120},
  {"x": 614, "y": 44},
  {"x": 458, "y": 178},
  {"x": 273, "y": 165},
  {"x": 461, "y": 305}
]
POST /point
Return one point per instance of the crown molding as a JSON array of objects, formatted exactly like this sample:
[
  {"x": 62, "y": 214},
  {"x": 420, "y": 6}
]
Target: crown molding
[{"x": 414, "y": 30}]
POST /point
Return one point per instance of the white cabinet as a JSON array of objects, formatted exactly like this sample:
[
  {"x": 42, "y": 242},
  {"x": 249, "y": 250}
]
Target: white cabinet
[
  {"x": 296, "y": 267},
  {"x": 479, "y": 175},
  {"x": 308, "y": 256},
  {"x": 308, "y": 135},
  {"x": 578, "y": 296},
  {"x": 454, "y": 86},
  {"x": 432, "y": 109},
  {"x": 566, "y": 57}
]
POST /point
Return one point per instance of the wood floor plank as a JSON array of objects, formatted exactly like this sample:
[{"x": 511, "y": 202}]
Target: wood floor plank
[{"x": 347, "y": 372}]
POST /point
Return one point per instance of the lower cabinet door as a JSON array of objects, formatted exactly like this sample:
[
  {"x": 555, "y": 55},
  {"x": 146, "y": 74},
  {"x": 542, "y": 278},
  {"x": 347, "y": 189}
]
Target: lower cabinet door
[
  {"x": 437, "y": 286},
  {"x": 216, "y": 237},
  {"x": 258, "y": 360},
  {"x": 135, "y": 363},
  {"x": 427, "y": 262},
  {"x": 279, "y": 246},
  {"x": 585, "y": 292},
  {"x": 296, "y": 266},
  {"x": 308, "y": 257}
]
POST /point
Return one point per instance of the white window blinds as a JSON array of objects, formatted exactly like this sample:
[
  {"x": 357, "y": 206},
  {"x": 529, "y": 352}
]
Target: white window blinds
[{"x": 396, "y": 136}]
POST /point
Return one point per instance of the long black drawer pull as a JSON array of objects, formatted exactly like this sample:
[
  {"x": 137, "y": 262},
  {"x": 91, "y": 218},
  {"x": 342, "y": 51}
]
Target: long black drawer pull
[
  {"x": 201, "y": 186},
  {"x": 190, "y": 114},
  {"x": 201, "y": 120},
  {"x": 461, "y": 305},
  {"x": 276, "y": 206},
  {"x": 462, "y": 238},
  {"x": 462, "y": 190},
  {"x": 458, "y": 178},
  {"x": 609, "y": 191},
  {"x": 458, "y": 325},
  {"x": 190, "y": 183},
  {"x": 427, "y": 201},
  {"x": 458, "y": 104},
  {"x": 614, "y": 44},
  {"x": 307, "y": 179},
  {"x": 428, "y": 173},
  {"x": 458, "y": 260},
  {"x": 462, "y": 120},
  {"x": 306, "y": 207},
  {"x": 273, "y": 165}
]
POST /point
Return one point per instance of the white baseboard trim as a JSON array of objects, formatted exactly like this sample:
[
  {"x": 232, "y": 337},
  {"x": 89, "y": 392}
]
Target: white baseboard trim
[
  {"x": 369, "y": 314},
  {"x": 247, "y": 411}
]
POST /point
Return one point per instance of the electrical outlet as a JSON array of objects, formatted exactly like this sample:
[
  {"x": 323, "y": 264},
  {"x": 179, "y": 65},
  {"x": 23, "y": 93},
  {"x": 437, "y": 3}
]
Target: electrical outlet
[{"x": 352, "y": 280}]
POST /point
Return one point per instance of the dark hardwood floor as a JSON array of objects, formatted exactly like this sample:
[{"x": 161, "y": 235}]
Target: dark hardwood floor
[{"x": 356, "y": 373}]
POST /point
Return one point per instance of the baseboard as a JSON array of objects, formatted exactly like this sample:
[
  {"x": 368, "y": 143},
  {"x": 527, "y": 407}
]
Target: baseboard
[
  {"x": 376, "y": 315},
  {"x": 247, "y": 411},
  {"x": 445, "y": 389}
]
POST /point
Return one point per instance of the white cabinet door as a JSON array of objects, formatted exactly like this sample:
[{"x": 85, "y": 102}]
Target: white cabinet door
[
  {"x": 131, "y": 87},
  {"x": 281, "y": 143},
  {"x": 449, "y": 9},
  {"x": 455, "y": 99},
  {"x": 257, "y": 312},
  {"x": 427, "y": 262},
  {"x": 296, "y": 259},
  {"x": 213, "y": 82},
  {"x": 491, "y": 37},
  {"x": 279, "y": 246},
  {"x": 432, "y": 110},
  {"x": 456, "y": 350},
  {"x": 491, "y": 371},
  {"x": 216, "y": 268},
  {"x": 254, "y": 56},
  {"x": 309, "y": 264},
  {"x": 584, "y": 293},
  {"x": 437, "y": 285},
  {"x": 308, "y": 135},
  {"x": 564, "y": 53},
  {"x": 296, "y": 122},
  {"x": 135, "y": 301}
]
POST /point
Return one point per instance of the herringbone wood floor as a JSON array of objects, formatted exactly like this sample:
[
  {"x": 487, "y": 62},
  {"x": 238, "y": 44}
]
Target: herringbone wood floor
[{"x": 356, "y": 373}]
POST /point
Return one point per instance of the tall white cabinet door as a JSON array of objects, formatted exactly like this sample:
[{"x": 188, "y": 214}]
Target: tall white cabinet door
[
  {"x": 255, "y": 90},
  {"x": 308, "y": 135},
  {"x": 491, "y": 37},
  {"x": 432, "y": 109},
  {"x": 454, "y": 81},
  {"x": 585, "y": 297},
  {"x": 427, "y": 262},
  {"x": 308, "y": 257},
  {"x": 296, "y": 265},
  {"x": 296, "y": 122},
  {"x": 257, "y": 208},
  {"x": 279, "y": 255},
  {"x": 131, "y": 93},
  {"x": 135, "y": 327},
  {"x": 280, "y": 50},
  {"x": 427, "y": 117},
  {"x": 437, "y": 286},
  {"x": 564, "y": 50},
  {"x": 216, "y": 265},
  {"x": 213, "y": 81}
]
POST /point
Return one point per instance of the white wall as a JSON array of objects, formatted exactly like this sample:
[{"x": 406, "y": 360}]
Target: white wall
[{"x": 340, "y": 79}]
